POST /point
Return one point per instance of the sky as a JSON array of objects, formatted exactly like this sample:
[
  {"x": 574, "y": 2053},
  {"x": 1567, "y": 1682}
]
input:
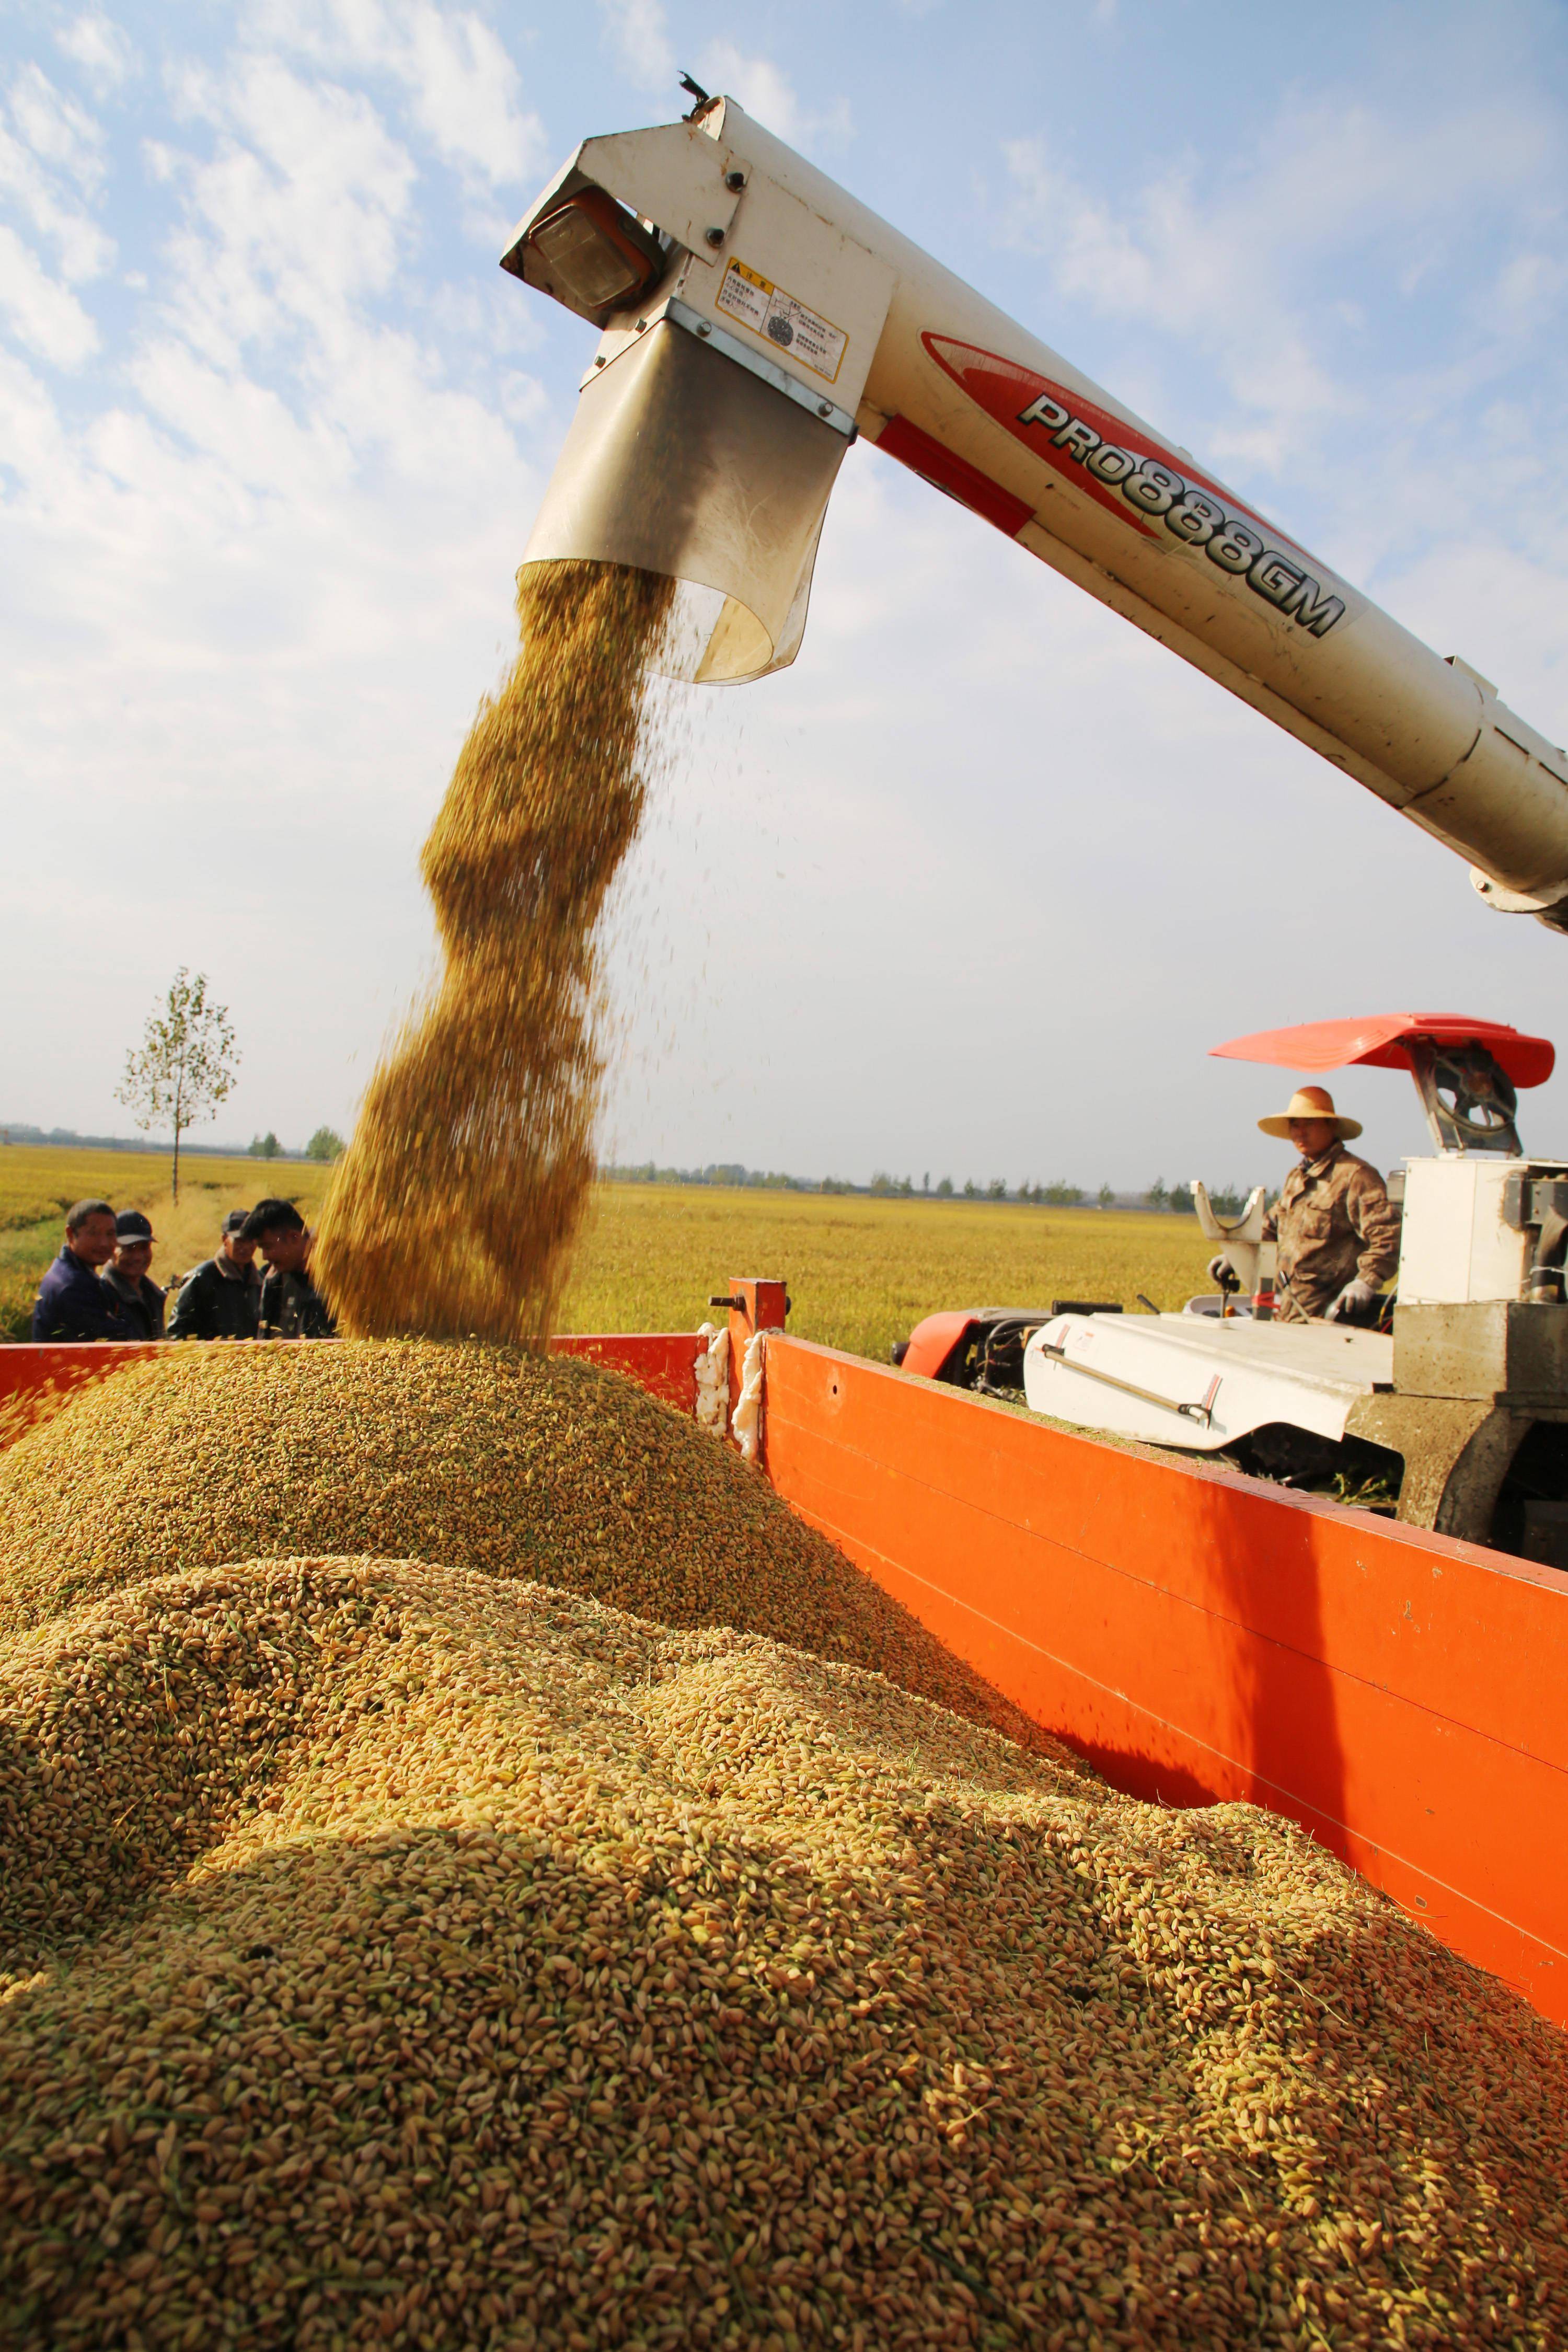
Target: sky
[{"x": 971, "y": 889}]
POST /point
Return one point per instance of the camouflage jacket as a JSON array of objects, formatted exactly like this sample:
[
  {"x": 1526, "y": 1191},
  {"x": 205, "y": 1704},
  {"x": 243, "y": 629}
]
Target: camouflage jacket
[{"x": 1334, "y": 1222}]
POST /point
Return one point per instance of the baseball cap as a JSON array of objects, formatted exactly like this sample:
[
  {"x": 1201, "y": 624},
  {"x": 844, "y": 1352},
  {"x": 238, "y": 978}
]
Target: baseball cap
[
  {"x": 235, "y": 1220},
  {"x": 131, "y": 1225}
]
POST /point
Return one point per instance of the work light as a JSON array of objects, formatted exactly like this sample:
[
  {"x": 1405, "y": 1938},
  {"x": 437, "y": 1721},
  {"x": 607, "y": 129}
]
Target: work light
[{"x": 594, "y": 256}]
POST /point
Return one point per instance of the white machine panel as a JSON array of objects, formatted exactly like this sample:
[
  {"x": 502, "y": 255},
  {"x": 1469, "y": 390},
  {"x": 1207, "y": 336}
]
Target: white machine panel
[
  {"x": 1196, "y": 1382},
  {"x": 1455, "y": 1246}
]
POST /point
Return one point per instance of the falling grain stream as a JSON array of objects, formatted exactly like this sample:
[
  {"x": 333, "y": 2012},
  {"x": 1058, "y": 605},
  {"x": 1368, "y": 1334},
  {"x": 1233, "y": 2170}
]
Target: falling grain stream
[{"x": 453, "y": 1212}]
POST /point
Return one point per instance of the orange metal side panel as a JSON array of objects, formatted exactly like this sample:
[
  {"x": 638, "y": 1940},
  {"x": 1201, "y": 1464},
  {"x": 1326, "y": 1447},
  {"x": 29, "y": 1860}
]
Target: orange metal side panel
[
  {"x": 663, "y": 1362},
  {"x": 1199, "y": 1636}
]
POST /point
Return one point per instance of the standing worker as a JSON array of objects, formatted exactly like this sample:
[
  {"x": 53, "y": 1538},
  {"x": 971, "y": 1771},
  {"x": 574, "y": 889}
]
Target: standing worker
[
  {"x": 140, "y": 1300},
  {"x": 1337, "y": 1230},
  {"x": 72, "y": 1304},
  {"x": 291, "y": 1306},
  {"x": 222, "y": 1299}
]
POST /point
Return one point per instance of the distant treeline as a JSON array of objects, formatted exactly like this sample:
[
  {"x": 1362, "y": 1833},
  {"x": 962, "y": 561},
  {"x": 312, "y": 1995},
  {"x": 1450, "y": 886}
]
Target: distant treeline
[
  {"x": 67, "y": 1139},
  {"x": 325, "y": 1144},
  {"x": 1228, "y": 1199}
]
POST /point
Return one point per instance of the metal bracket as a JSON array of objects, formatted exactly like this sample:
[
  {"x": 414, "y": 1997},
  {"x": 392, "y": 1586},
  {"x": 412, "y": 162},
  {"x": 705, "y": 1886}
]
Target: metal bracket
[
  {"x": 1202, "y": 1413},
  {"x": 1526, "y": 1201},
  {"x": 681, "y": 314}
]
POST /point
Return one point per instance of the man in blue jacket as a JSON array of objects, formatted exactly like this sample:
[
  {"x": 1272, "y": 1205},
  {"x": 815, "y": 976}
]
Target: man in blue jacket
[{"x": 72, "y": 1304}]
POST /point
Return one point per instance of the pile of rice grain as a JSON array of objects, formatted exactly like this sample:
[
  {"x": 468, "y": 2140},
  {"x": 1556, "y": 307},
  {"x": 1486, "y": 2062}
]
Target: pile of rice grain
[
  {"x": 479, "y": 1457},
  {"x": 403, "y": 1957},
  {"x": 454, "y": 1209}
]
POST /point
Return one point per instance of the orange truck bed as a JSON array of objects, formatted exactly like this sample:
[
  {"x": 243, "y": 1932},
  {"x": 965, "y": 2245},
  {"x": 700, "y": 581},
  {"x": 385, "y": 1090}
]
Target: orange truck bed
[{"x": 1197, "y": 1635}]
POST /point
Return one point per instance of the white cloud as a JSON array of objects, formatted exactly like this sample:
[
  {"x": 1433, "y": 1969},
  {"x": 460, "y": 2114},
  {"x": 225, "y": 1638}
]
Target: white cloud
[
  {"x": 1530, "y": 284},
  {"x": 84, "y": 249},
  {"x": 458, "y": 81},
  {"x": 1244, "y": 258},
  {"x": 51, "y": 167},
  {"x": 59, "y": 131},
  {"x": 300, "y": 208},
  {"x": 44, "y": 314},
  {"x": 100, "y": 46},
  {"x": 767, "y": 93},
  {"x": 639, "y": 36},
  {"x": 1193, "y": 268}
]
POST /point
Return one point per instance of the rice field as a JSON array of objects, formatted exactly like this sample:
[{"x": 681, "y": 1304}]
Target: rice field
[{"x": 861, "y": 1272}]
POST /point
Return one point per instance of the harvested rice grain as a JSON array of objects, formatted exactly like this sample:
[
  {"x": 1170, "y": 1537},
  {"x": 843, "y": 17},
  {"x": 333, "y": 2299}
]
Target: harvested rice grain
[
  {"x": 402, "y": 1956},
  {"x": 453, "y": 1210},
  {"x": 489, "y": 1458}
]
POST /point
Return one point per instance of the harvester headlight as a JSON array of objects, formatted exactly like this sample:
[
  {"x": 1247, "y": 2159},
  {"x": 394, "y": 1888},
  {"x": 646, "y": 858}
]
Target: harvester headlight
[{"x": 594, "y": 255}]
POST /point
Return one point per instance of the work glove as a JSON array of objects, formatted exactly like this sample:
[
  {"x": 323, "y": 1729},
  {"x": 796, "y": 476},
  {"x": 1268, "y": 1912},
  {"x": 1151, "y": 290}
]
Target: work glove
[
  {"x": 1223, "y": 1274},
  {"x": 1356, "y": 1303}
]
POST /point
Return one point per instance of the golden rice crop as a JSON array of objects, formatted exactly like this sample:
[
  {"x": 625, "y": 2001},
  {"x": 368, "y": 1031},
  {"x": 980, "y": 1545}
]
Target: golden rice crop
[{"x": 862, "y": 1273}]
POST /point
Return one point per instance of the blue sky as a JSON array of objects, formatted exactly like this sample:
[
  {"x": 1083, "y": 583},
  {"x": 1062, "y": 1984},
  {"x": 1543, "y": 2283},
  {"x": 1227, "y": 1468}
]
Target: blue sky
[{"x": 974, "y": 886}]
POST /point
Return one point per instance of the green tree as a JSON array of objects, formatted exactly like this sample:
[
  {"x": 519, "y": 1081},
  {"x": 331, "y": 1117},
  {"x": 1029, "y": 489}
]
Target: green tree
[
  {"x": 264, "y": 1146},
  {"x": 1106, "y": 1197},
  {"x": 970, "y": 1189},
  {"x": 328, "y": 1144},
  {"x": 1156, "y": 1197},
  {"x": 944, "y": 1189},
  {"x": 185, "y": 1065}
]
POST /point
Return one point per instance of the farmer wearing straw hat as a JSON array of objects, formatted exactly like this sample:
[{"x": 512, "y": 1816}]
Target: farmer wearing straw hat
[{"x": 1337, "y": 1229}]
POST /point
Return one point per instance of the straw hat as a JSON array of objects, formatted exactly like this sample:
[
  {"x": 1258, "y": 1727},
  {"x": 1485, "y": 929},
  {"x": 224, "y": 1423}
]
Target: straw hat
[{"x": 1310, "y": 1102}]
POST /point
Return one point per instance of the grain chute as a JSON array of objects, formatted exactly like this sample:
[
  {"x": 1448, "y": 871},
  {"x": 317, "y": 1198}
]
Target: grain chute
[{"x": 755, "y": 318}]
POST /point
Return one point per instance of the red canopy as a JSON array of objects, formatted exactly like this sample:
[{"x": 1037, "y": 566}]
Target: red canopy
[{"x": 1381, "y": 1040}]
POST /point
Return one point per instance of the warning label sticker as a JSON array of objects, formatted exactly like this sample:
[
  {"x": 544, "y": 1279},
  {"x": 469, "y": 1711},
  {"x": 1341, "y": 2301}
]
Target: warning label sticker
[{"x": 769, "y": 311}]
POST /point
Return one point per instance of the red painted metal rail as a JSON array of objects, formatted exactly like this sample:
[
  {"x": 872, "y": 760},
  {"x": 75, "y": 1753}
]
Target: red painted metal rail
[
  {"x": 662, "y": 1361},
  {"x": 1197, "y": 1635}
]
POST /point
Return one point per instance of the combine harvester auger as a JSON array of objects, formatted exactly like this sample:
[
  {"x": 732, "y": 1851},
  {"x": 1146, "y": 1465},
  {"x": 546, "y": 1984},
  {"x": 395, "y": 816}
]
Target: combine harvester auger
[{"x": 755, "y": 318}]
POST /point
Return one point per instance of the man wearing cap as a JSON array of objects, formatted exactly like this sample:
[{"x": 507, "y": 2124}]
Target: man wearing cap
[
  {"x": 222, "y": 1299},
  {"x": 291, "y": 1306},
  {"x": 1337, "y": 1230},
  {"x": 72, "y": 1304},
  {"x": 140, "y": 1300}
]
